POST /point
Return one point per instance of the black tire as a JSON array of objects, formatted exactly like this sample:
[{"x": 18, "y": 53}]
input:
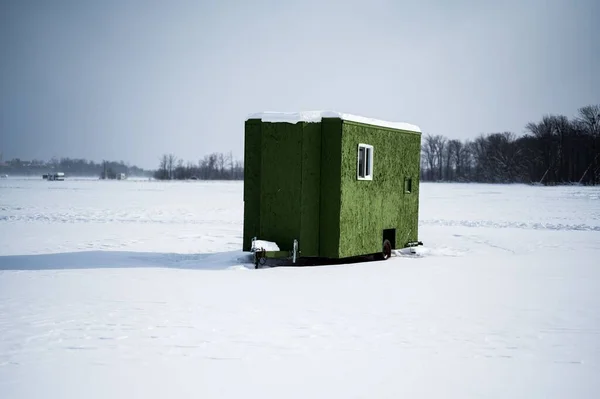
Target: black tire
[{"x": 386, "y": 251}]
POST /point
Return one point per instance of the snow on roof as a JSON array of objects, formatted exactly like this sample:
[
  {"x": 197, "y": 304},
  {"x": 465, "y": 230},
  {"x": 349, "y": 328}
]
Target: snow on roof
[{"x": 316, "y": 116}]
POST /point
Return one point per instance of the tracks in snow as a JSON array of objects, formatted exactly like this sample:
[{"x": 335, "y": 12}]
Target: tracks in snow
[{"x": 509, "y": 225}]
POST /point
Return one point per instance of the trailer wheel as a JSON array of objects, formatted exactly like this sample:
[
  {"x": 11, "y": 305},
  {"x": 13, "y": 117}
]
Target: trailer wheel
[{"x": 386, "y": 250}]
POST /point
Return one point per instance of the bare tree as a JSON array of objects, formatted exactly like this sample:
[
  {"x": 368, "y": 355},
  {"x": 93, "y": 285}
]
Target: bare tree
[
  {"x": 455, "y": 156},
  {"x": 433, "y": 155},
  {"x": 441, "y": 143},
  {"x": 589, "y": 117},
  {"x": 449, "y": 157},
  {"x": 429, "y": 154},
  {"x": 164, "y": 167},
  {"x": 588, "y": 122},
  {"x": 505, "y": 161},
  {"x": 230, "y": 159},
  {"x": 212, "y": 166},
  {"x": 171, "y": 164},
  {"x": 221, "y": 165}
]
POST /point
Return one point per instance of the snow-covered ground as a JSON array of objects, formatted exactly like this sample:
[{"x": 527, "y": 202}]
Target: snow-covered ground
[{"x": 128, "y": 289}]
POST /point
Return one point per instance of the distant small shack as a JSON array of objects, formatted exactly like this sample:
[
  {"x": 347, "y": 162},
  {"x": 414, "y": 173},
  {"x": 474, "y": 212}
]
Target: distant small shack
[
  {"x": 57, "y": 176},
  {"x": 340, "y": 185}
]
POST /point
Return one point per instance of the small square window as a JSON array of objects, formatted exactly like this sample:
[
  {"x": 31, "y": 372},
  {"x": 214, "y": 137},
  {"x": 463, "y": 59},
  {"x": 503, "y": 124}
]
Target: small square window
[
  {"x": 365, "y": 162},
  {"x": 408, "y": 185}
]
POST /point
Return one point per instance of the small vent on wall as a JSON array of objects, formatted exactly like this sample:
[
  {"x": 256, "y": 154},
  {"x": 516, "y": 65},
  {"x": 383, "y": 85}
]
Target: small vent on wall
[{"x": 407, "y": 185}]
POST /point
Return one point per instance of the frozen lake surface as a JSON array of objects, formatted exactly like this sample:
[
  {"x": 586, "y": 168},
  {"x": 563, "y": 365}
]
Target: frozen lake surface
[{"x": 139, "y": 289}]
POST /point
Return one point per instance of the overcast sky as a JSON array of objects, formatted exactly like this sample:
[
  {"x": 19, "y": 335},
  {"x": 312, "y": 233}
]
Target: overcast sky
[{"x": 131, "y": 80}]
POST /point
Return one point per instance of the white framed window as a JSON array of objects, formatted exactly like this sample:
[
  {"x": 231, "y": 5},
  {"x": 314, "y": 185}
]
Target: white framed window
[{"x": 365, "y": 162}]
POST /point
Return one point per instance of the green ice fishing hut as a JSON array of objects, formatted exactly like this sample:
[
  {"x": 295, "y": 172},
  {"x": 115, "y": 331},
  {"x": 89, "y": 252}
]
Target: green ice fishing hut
[{"x": 330, "y": 185}]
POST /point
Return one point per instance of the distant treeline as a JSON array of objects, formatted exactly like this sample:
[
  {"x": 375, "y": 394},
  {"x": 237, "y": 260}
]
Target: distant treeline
[
  {"x": 216, "y": 166},
  {"x": 70, "y": 167},
  {"x": 554, "y": 150}
]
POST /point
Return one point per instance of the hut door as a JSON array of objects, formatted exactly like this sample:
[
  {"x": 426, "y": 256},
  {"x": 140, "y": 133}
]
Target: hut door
[{"x": 281, "y": 183}]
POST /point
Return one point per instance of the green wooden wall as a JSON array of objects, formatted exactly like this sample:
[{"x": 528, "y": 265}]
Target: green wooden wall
[
  {"x": 370, "y": 206},
  {"x": 331, "y": 138},
  {"x": 280, "y": 183},
  {"x": 311, "y": 189},
  {"x": 283, "y": 165},
  {"x": 252, "y": 164}
]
